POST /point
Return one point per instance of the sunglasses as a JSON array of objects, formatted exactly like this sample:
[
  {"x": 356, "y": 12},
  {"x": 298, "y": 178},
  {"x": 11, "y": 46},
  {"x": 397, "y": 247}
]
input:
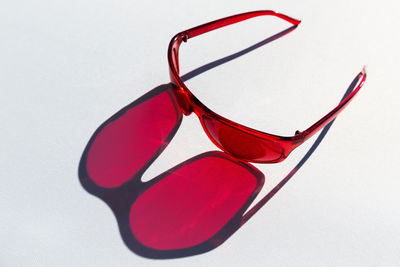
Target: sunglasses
[
  {"x": 240, "y": 141},
  {"x": 195, "y": 206}
]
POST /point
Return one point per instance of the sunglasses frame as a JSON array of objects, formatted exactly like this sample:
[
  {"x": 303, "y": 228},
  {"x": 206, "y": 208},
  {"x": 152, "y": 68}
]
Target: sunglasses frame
[{"x": 189, "y": 103}]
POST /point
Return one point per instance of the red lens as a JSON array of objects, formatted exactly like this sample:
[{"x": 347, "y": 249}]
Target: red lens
[
  {"x": 240, "y": 144},
  {"x": 192, "y": 203},
  {"x": 131, "y": 138}
]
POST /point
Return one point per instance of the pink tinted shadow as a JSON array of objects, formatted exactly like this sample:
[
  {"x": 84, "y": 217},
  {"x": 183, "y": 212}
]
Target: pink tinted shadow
[
  {"x": 127, "y": 143},
  {"x": 191, "y": 204}
]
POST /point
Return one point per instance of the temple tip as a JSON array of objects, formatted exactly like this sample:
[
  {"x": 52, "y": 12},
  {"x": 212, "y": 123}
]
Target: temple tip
[{"x": 364, "y": 70}]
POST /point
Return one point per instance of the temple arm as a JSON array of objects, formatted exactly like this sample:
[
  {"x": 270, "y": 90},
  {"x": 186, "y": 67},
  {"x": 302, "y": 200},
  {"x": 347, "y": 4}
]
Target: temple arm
[
  {"x": 234, "y": 19},
  {"x": 193, "y": 32},
  {"x": 357, "y": 84}
]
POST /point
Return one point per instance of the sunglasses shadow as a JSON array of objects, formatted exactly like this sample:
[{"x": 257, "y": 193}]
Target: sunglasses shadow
[{"x": 189, "y": 209}]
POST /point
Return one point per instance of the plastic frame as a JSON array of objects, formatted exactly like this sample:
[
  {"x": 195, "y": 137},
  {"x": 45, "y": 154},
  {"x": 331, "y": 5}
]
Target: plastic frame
[{"x": 189, "y": 103}]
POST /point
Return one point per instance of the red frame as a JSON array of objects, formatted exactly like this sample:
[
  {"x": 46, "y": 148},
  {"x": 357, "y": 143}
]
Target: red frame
[{"x": 189, "y": 103}]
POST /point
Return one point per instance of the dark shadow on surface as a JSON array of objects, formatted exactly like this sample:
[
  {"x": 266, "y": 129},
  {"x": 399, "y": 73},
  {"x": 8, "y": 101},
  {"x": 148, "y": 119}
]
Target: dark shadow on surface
[
  {"x": 316, "y": 143},
  {"x": 218, "y": 62},
  {"x": 133, "y": 192}
]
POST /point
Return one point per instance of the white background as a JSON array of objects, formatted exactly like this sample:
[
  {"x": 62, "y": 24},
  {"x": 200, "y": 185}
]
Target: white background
[{"x": 66, "y": 66}]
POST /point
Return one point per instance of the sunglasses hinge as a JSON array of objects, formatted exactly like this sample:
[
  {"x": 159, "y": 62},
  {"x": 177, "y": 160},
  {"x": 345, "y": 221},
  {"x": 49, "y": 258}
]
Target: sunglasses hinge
[
  {"x": 298, "y": 137},
  {"x": 183, "y": 102},
  {"x": 185, "y": 37}
]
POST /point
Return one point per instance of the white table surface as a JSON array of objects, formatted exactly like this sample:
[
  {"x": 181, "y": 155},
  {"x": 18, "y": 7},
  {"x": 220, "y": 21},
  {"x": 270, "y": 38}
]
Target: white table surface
[{"x": 66, "y": 66}]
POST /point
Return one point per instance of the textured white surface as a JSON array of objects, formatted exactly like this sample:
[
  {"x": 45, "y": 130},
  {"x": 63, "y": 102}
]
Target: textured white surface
[{"x": 66, "y": 66}]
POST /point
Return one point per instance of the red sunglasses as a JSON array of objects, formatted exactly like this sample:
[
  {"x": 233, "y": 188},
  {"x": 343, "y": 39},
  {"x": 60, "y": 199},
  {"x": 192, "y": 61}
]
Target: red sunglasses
[{"x": 240, "y": 141}]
